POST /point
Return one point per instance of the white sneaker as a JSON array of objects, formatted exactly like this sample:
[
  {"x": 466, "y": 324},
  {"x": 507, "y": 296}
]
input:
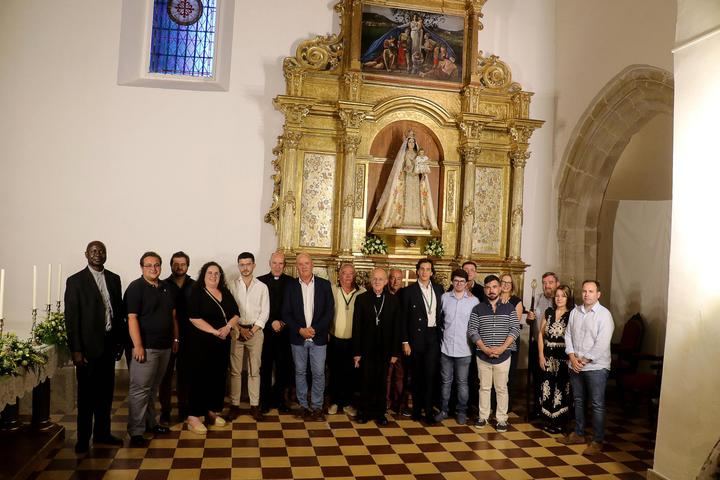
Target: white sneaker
[
  {"x": 350, "y": 410},
  {"x": 332, "y": 409}
]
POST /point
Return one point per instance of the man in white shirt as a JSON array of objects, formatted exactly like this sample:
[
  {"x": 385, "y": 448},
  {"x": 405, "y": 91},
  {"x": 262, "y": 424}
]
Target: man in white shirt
[
  {"x": 343, "y": 378},
  {"x": 587, "y": 343},
  {"x": 253, "y": 300}
]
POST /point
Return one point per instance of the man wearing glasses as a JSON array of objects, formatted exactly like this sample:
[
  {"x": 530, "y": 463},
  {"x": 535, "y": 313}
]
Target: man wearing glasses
[
  {"x": 455, "y": 354},
  {"x": 153, "y": 326}
]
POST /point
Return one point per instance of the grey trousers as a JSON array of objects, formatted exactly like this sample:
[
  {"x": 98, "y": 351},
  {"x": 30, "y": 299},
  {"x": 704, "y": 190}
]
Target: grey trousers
[{"x": 145, "y": 380}]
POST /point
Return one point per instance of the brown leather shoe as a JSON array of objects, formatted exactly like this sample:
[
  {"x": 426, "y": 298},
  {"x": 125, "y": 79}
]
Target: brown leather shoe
[
  {"x": 572, "y": 439},
  {"x": 595, "y": 448},
  {"x": 233, "y": 413},
  {"x": 256, "y": 413}
]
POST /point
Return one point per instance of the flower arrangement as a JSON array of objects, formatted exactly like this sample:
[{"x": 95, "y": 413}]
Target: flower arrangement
[
  {"x": 374, "y": 245},
  {"x": 434, "y": 248},
  {"x": 52, "y": 331},
  {"x": 16, "y": 355}
]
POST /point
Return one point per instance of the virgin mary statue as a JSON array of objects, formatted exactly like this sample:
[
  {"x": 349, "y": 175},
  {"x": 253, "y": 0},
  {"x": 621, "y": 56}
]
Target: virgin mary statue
[{"x": 406, "y": 201}]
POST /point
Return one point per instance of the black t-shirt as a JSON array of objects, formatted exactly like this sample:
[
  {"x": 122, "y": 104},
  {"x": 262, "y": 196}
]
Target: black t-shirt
[
  {"x": 154, "y": 308},
  {"x": 182, "y": 295},
  {"x": 201, "y": 305}
]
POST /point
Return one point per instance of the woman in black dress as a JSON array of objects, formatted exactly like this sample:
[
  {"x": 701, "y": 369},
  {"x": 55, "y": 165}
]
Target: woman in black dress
[
  {"x": 213, "y": 312},
  {"x": 555, "y": 386}
]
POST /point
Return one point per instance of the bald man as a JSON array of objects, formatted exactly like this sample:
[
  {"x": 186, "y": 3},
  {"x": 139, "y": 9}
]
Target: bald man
[
  {"x": 276, "y": 348},
  {"x": 308, "y": 308},
  {"x": 375, "y": 343}
]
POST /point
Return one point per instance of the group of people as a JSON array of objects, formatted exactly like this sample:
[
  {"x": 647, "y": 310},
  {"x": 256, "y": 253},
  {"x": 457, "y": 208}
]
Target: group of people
[{"x": 385, "y": 347}]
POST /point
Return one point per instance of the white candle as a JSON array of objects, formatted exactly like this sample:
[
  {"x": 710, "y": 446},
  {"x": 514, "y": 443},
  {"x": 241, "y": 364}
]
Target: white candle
[
  {"x": 34, "y": 305},
  {"x": 49, "y": 283},
  {"x": 2, "y": 291},
  {"x": 59, "y": 298}
]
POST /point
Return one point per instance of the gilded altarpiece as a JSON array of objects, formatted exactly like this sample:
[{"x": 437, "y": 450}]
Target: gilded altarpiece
[{"x": 347, "y": 118}]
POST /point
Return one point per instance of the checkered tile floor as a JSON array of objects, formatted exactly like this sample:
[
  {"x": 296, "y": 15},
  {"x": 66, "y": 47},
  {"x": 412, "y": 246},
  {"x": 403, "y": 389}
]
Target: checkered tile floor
[{"x": 285, "y": 447}]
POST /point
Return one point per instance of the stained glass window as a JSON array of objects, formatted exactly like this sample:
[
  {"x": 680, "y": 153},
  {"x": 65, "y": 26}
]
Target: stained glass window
[{"x": 178, "y": 49}]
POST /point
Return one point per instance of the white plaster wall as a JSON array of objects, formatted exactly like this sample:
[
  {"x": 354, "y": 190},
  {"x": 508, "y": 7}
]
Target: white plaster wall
[
  {"x": 689, "y": 423},
  {"x": 82, "y": 158},
  {"x": 523, "y": 35}
]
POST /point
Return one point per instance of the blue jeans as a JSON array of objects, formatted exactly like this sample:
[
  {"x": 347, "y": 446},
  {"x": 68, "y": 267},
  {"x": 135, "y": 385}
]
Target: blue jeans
[
  {"x": 459, "y": 366},
  {"x": 594, "y": 381},
  {"x": 300, "y": 355}
]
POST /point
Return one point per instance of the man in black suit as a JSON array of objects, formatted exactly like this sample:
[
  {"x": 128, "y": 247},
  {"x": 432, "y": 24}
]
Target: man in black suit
[
  {"x": 375, "y": 345},
  {"x": 276, "y": 347},
  {"x": 96, "y": 334},
  {"x": 308, "y": 308},
  {"x": 420, "y": 334}
]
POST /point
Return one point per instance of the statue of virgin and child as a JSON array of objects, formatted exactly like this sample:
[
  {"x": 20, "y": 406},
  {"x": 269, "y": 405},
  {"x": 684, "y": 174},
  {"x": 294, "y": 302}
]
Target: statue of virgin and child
[{"x": 407, "y": 201}]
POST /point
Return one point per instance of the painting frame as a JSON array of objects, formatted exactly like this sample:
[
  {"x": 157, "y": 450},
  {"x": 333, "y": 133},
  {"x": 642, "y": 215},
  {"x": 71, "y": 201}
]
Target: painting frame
[{"x": 413, "y": 46}]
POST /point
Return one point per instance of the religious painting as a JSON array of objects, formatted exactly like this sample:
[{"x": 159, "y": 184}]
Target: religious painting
[{"x": 412, "y": 46}]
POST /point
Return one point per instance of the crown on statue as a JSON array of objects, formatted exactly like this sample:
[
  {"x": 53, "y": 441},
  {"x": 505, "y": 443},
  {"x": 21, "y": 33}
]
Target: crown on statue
[{"x": 410, "y": 134}]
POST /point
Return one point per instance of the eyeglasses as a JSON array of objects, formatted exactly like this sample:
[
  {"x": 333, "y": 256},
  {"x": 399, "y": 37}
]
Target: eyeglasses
[
  {"x": 503, "y": 282},
  {"x": 153, "y": 265},
  {"x": 459, "y": 280}
]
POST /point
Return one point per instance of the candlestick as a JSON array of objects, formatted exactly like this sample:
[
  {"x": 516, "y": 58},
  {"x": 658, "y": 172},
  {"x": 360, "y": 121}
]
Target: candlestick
[
  {"x": 533, "y": 286},
  {"x": 57, "y": 306},
  {"x": 49, "y": 283},
  {"x": 34, "y": 321},
  {"x": 2, "y": 291},
  {"x": 59, "y": 286},
  {"x": 34, "y": 297}
]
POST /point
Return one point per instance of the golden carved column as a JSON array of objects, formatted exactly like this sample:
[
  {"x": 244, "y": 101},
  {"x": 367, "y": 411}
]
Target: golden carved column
[
  {"x": 470, "y": 155},
  {"x": 288, "y": 204},
  {"x": 518, "y": 160},
  {"x": 352, "y": 116}
]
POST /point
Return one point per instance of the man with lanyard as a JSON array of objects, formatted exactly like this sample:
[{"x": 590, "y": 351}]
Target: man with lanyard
[
  {"x": 493, "y": 329},
  {"x": 253, "y": 301},
  {"x": 420, "y": 333},
  {"x": 340, "y": 356},
  {"x": 455, "y": 354},
  {"x": 374, "y": 345},
  {"x": 180, "y": 283},
  {"x": 587, "y": 343}
]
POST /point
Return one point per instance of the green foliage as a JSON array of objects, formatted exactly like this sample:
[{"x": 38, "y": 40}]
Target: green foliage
[
  {"x": 52, "y": 331},
  {"x": 18, "y": 355},
  {"x": 374, "y": 245},
  {"x": 434, "y": 248}
]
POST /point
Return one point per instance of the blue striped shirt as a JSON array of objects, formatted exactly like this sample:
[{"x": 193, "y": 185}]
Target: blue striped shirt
[{"x": 493, "y": 328}]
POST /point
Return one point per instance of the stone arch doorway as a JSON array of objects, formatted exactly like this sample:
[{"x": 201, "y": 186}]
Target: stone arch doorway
[{"x": 621, "y": 109}]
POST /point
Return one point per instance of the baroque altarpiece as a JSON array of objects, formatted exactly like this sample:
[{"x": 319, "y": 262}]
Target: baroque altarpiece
[{"x": 401, "y": 74}]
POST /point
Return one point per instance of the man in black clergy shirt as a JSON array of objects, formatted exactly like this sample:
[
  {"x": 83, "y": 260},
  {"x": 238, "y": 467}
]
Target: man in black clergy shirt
[
  {"x": 420, "y": 334},
  {"x": 276, "y": 347},
  {"x": 96, "y": 333}
]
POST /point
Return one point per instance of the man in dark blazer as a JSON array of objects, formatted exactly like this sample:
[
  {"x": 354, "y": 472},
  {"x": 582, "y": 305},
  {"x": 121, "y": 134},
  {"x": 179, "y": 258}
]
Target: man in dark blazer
[
  {"x": 96, "y": 334},
  {"x": 375, "y": 345},
  {"x": 308, "y": 308},
  {"x": 420, "y": 334}
]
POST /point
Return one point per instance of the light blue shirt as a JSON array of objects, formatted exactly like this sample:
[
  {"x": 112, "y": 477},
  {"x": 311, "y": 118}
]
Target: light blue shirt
[
  {"x": 456, "y": 315},
  {"x": 588, "y": 335}
]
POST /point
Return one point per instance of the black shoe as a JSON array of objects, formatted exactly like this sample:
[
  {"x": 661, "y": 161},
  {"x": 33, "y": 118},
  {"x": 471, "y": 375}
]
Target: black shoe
[
  {"x": 82, "y": 447},
  {"x": 360, "y": 420},
  {"x": 160, "y": 430},
  {"x": 381, "y": 421},
  {"x": 138, "y": 441},
  {"x": 318, "y": 415},
  {"x": 264, "y": 409},
  {"x": 501, "y": 427},
  {"x": 304, "y": 414},
  {"x": 233, "y": 413},
  {"x": 109, "y": 440},
  {"x": 283, "y": 408},
  {"x": 430, "y": 420}
]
